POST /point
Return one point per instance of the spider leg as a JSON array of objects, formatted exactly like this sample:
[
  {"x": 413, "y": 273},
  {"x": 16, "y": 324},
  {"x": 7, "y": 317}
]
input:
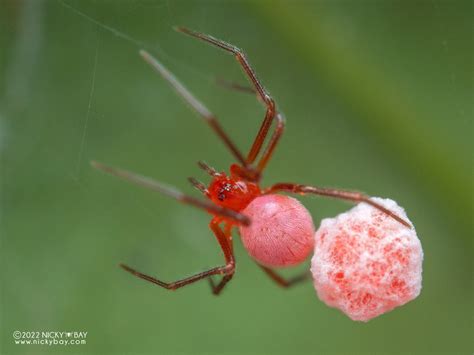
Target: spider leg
[
  {"x": 224, "y": 236},
  {"x": 335, "y": 193},
  {"x": 208, "y": 169},
  {"x": 198, "y": 185},
  {"x": 265, "y": 98},
  {"x": 173, "y": 193},
  {"x": 230, "y": 85},
  {"x": 195, "y": 104},
  {"x": 272, "y": 143},
  {"x": 217, "y": 288},
  {"x": 227, "y": 270},
  {"x": 179, "y": 283},
  {"x": 283, "y": 282},
  {"x": 279, "y": 129}
]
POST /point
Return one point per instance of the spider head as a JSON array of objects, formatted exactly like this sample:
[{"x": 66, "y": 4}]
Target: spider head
[{"x": 233, "y": 193}]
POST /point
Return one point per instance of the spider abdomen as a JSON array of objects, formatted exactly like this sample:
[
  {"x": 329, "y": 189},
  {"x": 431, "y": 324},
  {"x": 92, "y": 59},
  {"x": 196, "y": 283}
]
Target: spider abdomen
[{"x": 281, "y": 233}]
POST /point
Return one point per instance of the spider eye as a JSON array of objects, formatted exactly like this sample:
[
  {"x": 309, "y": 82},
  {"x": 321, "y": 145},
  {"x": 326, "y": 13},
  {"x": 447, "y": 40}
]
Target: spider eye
[{"x": 222, "y": 191}]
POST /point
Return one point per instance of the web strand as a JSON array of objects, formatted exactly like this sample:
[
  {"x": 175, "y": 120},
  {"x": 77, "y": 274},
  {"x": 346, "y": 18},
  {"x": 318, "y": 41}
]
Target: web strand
[{"x": 89, "y": 105}]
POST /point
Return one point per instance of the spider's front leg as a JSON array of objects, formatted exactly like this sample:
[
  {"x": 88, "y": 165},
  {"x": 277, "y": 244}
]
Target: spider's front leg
[
  {"x": 226, "y": 270},
  {"x": 271, "y": 113},
  {"x": 157, "y": 186}
]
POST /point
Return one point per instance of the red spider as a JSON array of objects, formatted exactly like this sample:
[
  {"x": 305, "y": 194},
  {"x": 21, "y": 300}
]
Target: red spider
[{"x": 282, "y": 231}]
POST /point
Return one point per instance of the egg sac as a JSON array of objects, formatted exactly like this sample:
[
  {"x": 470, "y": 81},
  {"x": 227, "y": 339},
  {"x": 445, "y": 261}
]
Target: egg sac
[{"x": 366, "y": 263}]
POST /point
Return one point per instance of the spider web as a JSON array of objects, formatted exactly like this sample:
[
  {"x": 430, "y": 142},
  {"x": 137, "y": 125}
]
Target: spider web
[{"x": 102, "y": 29}]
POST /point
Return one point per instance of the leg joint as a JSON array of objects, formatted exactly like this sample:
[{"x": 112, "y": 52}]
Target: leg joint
[{"x": 229, "y": 269}]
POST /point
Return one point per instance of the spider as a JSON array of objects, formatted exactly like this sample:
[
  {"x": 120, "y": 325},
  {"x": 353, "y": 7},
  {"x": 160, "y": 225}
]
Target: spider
[{"x": 276, "y": 230}]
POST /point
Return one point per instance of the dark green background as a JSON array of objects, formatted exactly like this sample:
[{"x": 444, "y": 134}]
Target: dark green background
[{"x": 378, "y": 97}]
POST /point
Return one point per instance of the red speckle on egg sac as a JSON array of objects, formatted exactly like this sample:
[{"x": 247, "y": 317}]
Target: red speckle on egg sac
[{"x": 366, "y": 263}]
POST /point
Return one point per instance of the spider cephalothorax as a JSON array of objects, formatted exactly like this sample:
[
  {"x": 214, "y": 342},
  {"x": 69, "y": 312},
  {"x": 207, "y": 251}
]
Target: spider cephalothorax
[
  {"x": 276, "y": 229},
  {"x": 232, "y": 192}
]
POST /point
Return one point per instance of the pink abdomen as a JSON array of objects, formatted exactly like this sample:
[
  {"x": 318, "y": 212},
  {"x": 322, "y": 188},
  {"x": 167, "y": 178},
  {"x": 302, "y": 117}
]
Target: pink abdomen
[{"x": 281, "y": 232}]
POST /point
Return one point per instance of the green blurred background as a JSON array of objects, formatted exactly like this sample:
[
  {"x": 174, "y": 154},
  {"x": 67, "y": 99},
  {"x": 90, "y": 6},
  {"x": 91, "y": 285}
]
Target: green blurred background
[{"x": 378, "y": 97}]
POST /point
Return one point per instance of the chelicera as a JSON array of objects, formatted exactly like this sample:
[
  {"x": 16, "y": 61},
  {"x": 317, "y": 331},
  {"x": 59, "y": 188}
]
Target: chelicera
[{"x": 276, "y": 230}]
